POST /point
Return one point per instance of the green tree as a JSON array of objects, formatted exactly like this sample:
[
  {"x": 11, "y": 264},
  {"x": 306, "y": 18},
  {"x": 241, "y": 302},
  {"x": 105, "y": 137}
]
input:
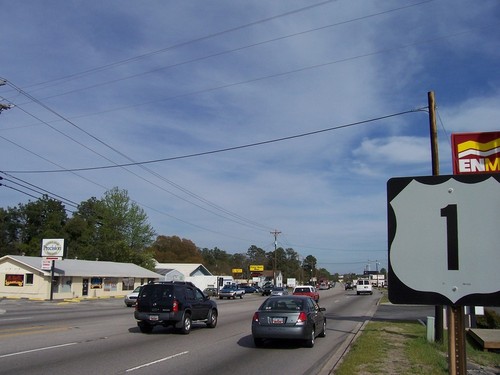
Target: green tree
[
  {"x": 309, "y": 267},
  {"x": 10, "y": 231},
  {"x": 175, "y": 250},
  {"x": 82, "y": 230},
  {"x": 256, "y": 255},
  {"x": 217, "y": 261},
  {"x": 44, "y": 218},
  {"x": 116, "y": 228},
  {"x": 291, "y": 264}
]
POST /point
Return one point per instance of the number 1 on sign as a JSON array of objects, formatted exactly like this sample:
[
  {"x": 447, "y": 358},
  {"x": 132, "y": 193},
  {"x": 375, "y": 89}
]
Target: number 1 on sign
[{"x": 450, "y": 213}]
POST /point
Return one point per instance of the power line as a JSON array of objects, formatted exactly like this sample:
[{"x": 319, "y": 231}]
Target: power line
[
  {"x": 222, "y": 52},
  {"x": 37, "y": 189},
  {"x": 182, "y": 44},
  {"x": 255, "y": 144},
  {"x": 232, "y": 216}
]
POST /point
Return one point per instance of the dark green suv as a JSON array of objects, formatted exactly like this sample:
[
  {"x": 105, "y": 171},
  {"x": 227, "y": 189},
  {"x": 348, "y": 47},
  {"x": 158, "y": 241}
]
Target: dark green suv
[{"x": 173, "y": 303}]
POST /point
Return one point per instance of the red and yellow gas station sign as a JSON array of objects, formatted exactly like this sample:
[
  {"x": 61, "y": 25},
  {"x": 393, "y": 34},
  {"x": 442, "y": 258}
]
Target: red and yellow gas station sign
[{"x": 476, "y": 152}]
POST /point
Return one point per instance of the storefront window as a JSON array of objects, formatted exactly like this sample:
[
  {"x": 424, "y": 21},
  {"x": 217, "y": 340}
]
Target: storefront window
[
  {"x": 110, "y": 284},
  {"x": 65, "y": 284},
  {"x": 14, "y": 280},
  {"x": 96, "y": 283},
  {"x": 128, "y": 283}
]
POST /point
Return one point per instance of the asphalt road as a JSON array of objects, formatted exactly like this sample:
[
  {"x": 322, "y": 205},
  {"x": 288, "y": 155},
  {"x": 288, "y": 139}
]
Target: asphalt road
[{"x": 101, "y": 337}]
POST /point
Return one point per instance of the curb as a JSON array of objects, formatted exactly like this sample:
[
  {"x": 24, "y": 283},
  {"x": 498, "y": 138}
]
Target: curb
[{"x": 336, "y": 359}]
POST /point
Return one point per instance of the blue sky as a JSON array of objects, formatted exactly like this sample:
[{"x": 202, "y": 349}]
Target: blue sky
[{"x": 97, "y": 84}]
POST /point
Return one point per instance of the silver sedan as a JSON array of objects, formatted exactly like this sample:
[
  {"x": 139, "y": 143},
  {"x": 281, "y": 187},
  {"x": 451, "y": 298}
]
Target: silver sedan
[{"x": 288, "y": 317}]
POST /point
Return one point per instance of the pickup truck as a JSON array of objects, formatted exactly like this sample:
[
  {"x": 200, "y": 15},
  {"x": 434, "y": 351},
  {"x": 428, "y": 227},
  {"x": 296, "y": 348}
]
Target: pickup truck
[
  {"x": 306, "y": 290},
  {"x": 229, "y": 292}
]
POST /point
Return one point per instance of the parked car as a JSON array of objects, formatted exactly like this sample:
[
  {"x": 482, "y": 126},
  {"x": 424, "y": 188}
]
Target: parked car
[
  {"x": 364, "y": 287},
  {"x": 230, "y": 291},
  {"x": 131, "y": 298},
  {"x": 266, "y": 289},
  {"x": 174, "y": 303},
  {"x": 279, "y": 291},
  {"x": 288, "y": 317},
  {"x": 306, "y": 290},
  {"x": 212, "y": 292},
  {"x": 249, "y": 289}
]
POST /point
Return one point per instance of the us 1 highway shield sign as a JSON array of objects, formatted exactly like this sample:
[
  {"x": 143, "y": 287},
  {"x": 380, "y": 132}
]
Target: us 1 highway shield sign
[{"x": 444, "y": 240}]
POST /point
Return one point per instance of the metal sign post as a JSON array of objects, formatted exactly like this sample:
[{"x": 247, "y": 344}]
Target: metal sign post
[{"x": 52, "y": 279}]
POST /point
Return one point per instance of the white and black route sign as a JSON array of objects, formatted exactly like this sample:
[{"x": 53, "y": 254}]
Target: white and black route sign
[{"x": 444, "y": 240}]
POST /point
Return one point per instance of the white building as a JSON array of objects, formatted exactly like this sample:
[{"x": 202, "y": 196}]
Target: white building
[
  {"x": 196, "y": 273},
  {"x": 24, "y": 277}
]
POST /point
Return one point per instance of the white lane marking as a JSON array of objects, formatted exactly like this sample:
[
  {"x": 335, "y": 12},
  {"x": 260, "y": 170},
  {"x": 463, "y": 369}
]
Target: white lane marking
[
  {"x": 38, "y": 350},
  {"x": 25, "y": 318},
  {"x": 157, "y": 361}
]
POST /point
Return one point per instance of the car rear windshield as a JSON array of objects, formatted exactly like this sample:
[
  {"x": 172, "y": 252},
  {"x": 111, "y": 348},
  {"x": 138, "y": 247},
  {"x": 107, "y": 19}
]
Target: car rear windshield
[{"x": 282, "y": 304}]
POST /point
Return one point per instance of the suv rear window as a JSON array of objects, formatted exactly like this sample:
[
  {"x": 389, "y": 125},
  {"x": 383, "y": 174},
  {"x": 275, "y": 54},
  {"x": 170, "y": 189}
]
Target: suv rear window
[{"x": 158, "y": 292}]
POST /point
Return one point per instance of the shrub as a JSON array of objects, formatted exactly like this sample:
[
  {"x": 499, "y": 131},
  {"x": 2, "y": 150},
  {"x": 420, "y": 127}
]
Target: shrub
[{"x": 490, "y": 320}]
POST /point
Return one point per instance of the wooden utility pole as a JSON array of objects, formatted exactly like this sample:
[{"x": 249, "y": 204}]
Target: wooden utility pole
[
  {"x": 275, "y": 233},
  {"x": 433, "y": 132},
  {"x": 457, "y": 363},
  {"x": 438, "y": 310}
]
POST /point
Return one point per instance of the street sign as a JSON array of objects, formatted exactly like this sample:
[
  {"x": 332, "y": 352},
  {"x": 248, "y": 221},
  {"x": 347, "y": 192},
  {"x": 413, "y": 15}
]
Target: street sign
[
  {"x": 46, "y": 264},
  {"x": 444, "y": 240}
]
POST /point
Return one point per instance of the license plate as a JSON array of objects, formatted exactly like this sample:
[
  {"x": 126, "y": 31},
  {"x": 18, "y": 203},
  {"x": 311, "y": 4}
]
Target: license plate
[
  {"x": 278, "y": 320},
  {"x": 153, "y": 317}
]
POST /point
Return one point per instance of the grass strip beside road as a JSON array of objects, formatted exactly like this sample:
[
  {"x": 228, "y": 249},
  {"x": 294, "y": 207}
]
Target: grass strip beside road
[{"x": 390, "y": 347}]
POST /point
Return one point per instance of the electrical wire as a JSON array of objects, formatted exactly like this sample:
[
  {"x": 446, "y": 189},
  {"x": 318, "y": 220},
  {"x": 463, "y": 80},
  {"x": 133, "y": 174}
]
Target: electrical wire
[
  {"x": 218, "y": 54},
  {"x": 182, "y": 44},
  {"x": 255, "y": 144},
  {"x": 229, "y": 215}
]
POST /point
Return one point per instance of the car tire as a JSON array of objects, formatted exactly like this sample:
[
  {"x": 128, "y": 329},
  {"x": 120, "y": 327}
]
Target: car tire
[
  {"x": 310, "y": 341},
  {"x": 323, "y": 331},
  {"x": 212, "y": 319},
  {"x": 145, "y": 327},
  {"x": 259, "y": 343},
  {"x": 186, "y": 324}
]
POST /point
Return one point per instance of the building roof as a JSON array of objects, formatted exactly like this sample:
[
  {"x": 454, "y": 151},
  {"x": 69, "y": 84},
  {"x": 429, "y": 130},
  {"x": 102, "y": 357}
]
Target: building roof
[
  {"x": 187, "y": 269},
  {"x": 165, "y": 271},
  {"x": 77, "y": 267}
]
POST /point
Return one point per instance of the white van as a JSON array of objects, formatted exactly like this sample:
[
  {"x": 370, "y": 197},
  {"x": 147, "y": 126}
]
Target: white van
[{"x": 364, "y": 286}]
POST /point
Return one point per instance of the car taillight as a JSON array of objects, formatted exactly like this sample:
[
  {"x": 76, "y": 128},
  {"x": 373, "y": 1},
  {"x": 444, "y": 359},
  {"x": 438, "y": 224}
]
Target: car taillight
[
  {"x": 256, "y": 317},
  {"x": 175, "y": 306},
  {"x": 302, "y": 319}
]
